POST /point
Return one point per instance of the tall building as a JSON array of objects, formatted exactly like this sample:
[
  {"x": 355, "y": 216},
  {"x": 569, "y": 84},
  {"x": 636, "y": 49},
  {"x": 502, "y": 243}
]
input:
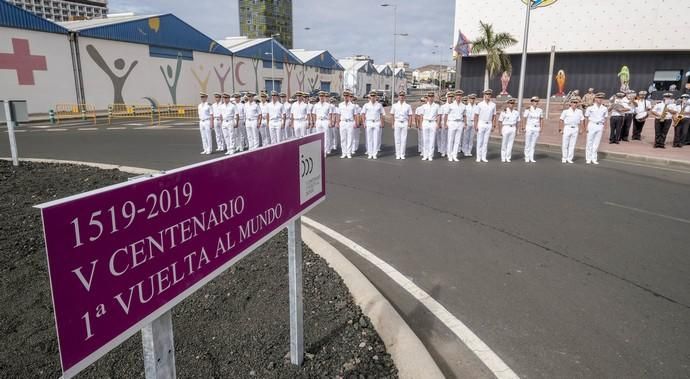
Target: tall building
[
  {"x": 263, "y": 18},
  {"x": 64, "y": 10}
]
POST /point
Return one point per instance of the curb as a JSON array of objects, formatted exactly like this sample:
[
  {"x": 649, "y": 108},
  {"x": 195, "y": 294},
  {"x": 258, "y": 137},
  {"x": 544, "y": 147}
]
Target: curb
[
  {"x": 608, "y": 154},
  {"x": 409, "y": 354}
]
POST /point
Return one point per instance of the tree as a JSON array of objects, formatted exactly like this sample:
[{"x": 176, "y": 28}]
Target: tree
[{"x": 493, "y": 44}]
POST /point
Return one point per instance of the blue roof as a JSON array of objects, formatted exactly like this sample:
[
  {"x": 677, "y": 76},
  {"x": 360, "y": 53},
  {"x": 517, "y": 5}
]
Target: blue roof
[
  {"x": 14, "y": 17},
  {"x": 321, "y": 59},
  {"x": 261, "y": 49},
  {"x": 165, "y": 30}
]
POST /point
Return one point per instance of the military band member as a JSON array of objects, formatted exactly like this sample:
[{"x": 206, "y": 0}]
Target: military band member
[
  {"x": 641, "y": 113},
  {"x": 484, "y": 124},
  {"x": 468, "y": 134},
  {"x": 299, "y": 115},
  {"x": 263, "y": 125},
  {"x": 596, "y": 124},
  {"x": 418, "y": 125},
  {"x": 253, "y": 119},
  {"x": 276, "y": 118},
  {"x": 372, "y": 113},
  {"x": 402, "y": 119},
  {"x": 455, "y": 118},
  {"x": 230, "y": 120},
  {"x": 345, "y": 119},
  {"x": 431, "y": 121},
  {"x": 680, "y": 134},
  {"x": 205, "y": 113},
  {"x": 663, "y": 112},
  {"x": 617, "y": 111},
  {"x": 442, "y": 132},
  {"x": 533, "y": 122},
  {"x": 570, "y": 126},
  {"x": 629, "y": 115},
  {"x": 217, "y": 122},
  {"x": 588, "y": 98}
]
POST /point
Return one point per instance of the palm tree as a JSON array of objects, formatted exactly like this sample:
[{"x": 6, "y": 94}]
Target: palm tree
[{"x": 493, "y": 44}]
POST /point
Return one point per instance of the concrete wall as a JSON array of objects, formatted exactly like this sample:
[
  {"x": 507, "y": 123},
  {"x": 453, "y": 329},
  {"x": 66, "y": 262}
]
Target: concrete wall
[{"x": 43, "y": 88}]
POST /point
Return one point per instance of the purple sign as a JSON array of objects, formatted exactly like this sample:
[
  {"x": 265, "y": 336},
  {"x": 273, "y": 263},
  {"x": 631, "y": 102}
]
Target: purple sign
[{"x": 121, "y": 256}]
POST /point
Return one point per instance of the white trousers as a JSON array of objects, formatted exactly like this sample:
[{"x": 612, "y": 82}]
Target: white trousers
[
  {"x": 275, "y": 131},
  {"x": 346, "y": 132},
  {"x": 322, "y": 126},
  {"x": 334, "y": 138},
  {"x": 242, "y": 141},
  {"x": 400, "y": 133},
  {"x": 569, "y": 141},
  {"x": 373, "y": 143},
  {"x": 218, "y": 131},
  {"x": 468, "y": 140},
  {"x": 206, "y": 136},
  {"x": 594, "y": 132},
  {"x": 380, "y": 138},
  {"x": 483, "y": 135},
  {"x": 229, "y": 135},
  {"x": 429, "y": 133},
  {"x": 508, "y": 133},
  {"x": 356, "y": 133},
  {"x": 531, "y": 137},
  {"x": 455, "y": 130},
  {"x": 263, "y": 133},
  {"x": 442, "y": 140},
  {"x": 420, "y": 140},
  {"x": 253, "y": 138},
  {"x": 300, "y": 128}
]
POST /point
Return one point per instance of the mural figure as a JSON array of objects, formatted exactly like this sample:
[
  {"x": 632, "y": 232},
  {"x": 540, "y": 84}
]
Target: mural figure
[
  {"x": 21, "y": 61},
  {"x": 118, "y": 81},
  {"x": 203, "y": 84},
  {"x": 560, "y": 82},
  {"x": 237, "y": 74},
  {"x": 289, "y": 67},
  {"x": 313, "y": 83},
  {"x": 505, "y": 80},
  {"x": 624, "y": 76},
  {"x": 168, "y": 76},
  {"x": 221, "y": 78},
  {"x": 300, "y": 79},
  {"x": 255, "y": 63}
]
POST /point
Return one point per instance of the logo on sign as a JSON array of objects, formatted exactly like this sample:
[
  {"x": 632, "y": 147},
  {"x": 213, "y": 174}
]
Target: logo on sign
[{"x": 310, "y": 180}]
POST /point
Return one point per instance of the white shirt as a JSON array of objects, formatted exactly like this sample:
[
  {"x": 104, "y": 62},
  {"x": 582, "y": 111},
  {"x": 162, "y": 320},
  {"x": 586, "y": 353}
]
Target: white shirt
[
  {"x": 264, "y": 112},
  {"x": 659, "y": 107},
  {"x": 486, "y": 111},
  {"x": 334, "y": 109},
  {"x": 286, "y": 108},
  {"x": 204, "y": 111},
  {"x": 310, "y": 108},
  {"x": 228, "y": 111},
  {"x": 215, "y": 109},
  {"x": 252, "y": 110},
  {"x": 643, "y": 106},
  {"x": 274, "y": 110},
  {"x": 419, "y": 110},
  {"x": 322, "y": 110},
  {"x": 509, "y": 117},
  {"x": 456, "y": 111},
  {"x": 572, "y": 117},
  {"x": 430, "y": 111},
  {"x": 401, "y": 111},
  {"x": 597, "y": 113},
  {"x": 299, "y": 110},
  {"x": 240, "y": 109},
  {"x": 533, "y": 115},
  {"x": 628, "y": 104},
  {"x": 469, "y": 113},
  {"x": 616, "y": 113},
  {"x": 373, "y": 111},
  {"x": 347, "y": 111},
  {"x": 686, "y": 109}
]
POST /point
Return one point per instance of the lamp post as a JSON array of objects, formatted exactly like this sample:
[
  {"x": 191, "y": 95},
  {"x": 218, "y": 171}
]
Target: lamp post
[
  {"x": 523, "y": 62},
  {"x": 395, "y": 35},
  {"x": 273, "y": 63}
]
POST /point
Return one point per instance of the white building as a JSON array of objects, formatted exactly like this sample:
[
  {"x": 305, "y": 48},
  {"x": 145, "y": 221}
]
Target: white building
[{"x": 64, "y": 10}]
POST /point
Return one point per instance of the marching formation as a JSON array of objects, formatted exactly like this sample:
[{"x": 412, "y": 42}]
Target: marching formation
[{"x": 449, "y": 129}]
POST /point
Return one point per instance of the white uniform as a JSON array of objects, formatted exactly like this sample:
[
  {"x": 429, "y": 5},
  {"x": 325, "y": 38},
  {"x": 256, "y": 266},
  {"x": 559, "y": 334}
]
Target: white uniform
[
  {"x": 533, "y": 117},
  {"x": 509, "y": 119},
  {"x": 429, "y": 113},
  {"x": 401, "y": 112},
  {"x": 372, "y": 113},
  {"x": 596, "y": 117},
  {"x": 310, "y": 127},
  {"x": 456, "y": 125},
  {"x": 299, "y": 112},
  {"x": 241, "y": 130},
  {"x": 357, "y": 132},
  {"x": 468, "y": 134},
  {"x": 486, "y": 112},
  {"x": 276, "y": 121},
  {"x": 229, "y": 114},
  {"x": 217, "y": 125},
  {"x": 263, "y": 128},
  {"x": 347, "y": 112},
  {"x": 205, "y": 114},
  {"x": 333, "y": 130},
  {"x": 288, "y": 130},
  {"x": 252, "y": 111},
  {"x": 571, "y": 124},
  {"x": 322, "y": 111},
  {"x": 442, "y": 133},
  {"x": 420, "y": 133}
]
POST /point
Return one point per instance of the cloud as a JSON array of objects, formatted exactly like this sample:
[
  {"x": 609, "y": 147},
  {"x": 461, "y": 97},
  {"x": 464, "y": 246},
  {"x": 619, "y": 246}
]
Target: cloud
[{"x": 344, "y": 27}]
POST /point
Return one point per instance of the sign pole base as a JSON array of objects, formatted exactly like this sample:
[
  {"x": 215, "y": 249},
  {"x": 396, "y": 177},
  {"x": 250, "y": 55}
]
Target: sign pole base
[
  {"x": 296, "y": 304},
  {"x": 159, "y": 348}
]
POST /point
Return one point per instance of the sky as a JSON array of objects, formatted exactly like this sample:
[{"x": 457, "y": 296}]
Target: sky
[{"x": 343, "y": 27}]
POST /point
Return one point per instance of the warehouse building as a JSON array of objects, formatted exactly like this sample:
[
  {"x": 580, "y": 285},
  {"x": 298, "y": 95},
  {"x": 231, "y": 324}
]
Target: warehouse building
[{"x": 321, "y": 71}]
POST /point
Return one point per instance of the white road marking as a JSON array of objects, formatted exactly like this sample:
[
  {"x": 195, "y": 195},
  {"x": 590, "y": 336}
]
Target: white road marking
[
  {"x": 134, "y": 124},
  {"x": 40, "y": 126},
  {"x": 492, "y": 361},
  {"x": 20, "y": 131},
  {"x": 647, "y": 212},
  {"x": 644, "y": 165},
  {"x": 87, "y": 128},
  {"x": 117, "y": 128},
  {"x": 55, "y": 130}
]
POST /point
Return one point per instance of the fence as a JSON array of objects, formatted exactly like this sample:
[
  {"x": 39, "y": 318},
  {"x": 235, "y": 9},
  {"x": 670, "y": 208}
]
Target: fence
[
  {"x": 178, "y": 111},
  {"x": 117, "y": 111},
  {"x": 71, "y": 111}
]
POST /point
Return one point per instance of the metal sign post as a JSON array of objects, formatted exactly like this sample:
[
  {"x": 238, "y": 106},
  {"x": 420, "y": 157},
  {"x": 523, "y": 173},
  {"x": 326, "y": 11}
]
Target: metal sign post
[
  {"x": 10, "y": 131},
  {"x": 159, "y": 348},
  {"x": 296, "y": 306},
  {"x": 550, "y": 80}
]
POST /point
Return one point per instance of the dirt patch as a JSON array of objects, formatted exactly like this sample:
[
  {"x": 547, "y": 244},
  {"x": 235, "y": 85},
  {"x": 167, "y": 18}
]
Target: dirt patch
[{"x": 234, "y": 327}]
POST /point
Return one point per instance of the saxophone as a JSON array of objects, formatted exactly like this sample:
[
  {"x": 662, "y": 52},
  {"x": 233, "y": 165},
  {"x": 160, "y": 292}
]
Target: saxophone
[{"x": 662, "y": 117}]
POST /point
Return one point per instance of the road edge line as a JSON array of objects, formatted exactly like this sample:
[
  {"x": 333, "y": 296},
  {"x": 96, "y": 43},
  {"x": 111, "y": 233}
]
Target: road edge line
[{"x": 411, "y": 357}]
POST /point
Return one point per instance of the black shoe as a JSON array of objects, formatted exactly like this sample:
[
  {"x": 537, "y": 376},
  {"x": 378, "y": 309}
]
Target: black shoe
[
  {"x": 625, "y": 140},
  {"x": 617, "y": 143}
]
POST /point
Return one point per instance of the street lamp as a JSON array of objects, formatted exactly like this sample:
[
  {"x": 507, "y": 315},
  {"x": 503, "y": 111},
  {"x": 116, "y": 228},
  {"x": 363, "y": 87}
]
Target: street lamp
[
  {"x": 273, "y": 63},
  {"x": 395, "y": 35}
]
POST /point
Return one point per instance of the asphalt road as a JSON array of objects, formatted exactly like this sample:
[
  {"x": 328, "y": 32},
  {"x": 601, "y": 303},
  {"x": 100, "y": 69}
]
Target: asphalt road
[{"x": 565, "y": 271}]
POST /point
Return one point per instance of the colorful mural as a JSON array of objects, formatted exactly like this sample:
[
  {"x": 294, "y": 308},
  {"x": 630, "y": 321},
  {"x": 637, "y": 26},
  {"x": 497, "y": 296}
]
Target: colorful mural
[
  {"x": 560, "y": 82},
  {"x": 221, "y": 78},
  {"x": 117, "y": 81},
  {"x": 169, "y": 74},
  {"x": 203, "y": 83},
  {"x": 21, "y": 61}
]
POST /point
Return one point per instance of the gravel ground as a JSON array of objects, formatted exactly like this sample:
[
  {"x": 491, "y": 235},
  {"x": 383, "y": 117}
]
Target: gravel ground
[{"x": 234, "y": 327}]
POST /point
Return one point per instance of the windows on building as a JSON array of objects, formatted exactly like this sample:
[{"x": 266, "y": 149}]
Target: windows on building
[{"x": 272, "y": 85}]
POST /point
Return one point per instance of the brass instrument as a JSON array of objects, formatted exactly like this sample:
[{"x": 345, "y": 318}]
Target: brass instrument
[
  {"x": 663, "y": 113},
  {"x": 677, "y": 118}
]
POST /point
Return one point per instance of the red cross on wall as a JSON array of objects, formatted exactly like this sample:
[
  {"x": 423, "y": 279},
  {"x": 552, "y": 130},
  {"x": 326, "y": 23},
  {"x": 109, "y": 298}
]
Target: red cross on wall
[{"x": 23, "y": 62}]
